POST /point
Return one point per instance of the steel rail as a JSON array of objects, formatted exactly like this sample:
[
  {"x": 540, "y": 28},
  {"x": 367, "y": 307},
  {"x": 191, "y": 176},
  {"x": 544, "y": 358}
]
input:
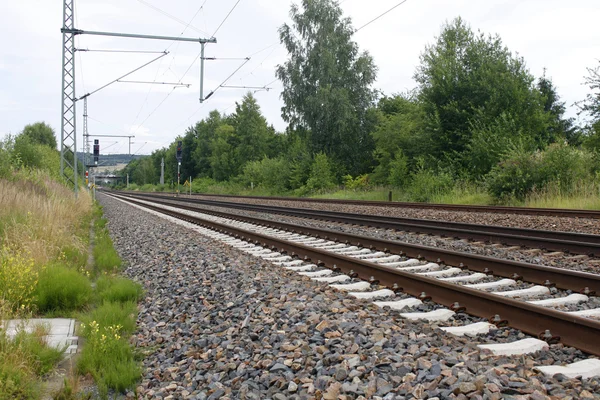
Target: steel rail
[
  {"x": 554, "y": 212},
  {"x": 581, "y": 333},
  {"x": 568, "y": 242}
]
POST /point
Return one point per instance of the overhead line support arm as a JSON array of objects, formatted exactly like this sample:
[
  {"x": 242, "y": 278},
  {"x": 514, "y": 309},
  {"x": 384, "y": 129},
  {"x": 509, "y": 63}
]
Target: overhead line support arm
[{"x": 138, "y": 36}]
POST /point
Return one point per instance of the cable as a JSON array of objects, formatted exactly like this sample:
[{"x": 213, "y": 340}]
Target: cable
[
  {"x": 173, "y": 17},
  {"x": 227, "y": 16},
  {"x": 168, "y": 68},
  {"x": 226, "y": 79},
  {"x": 376, "y": 18}
]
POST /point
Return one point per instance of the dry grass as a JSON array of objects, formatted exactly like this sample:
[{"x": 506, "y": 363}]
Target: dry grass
[{"x": 38, "y": 216}]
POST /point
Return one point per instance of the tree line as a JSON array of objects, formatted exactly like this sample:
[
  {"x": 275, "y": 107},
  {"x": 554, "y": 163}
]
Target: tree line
[{"x": 477, "y": 115}]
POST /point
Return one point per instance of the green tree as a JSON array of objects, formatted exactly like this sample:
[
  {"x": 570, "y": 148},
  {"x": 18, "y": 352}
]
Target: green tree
[
  {"x": 591, "y": 104},
  {"x": 466, "y": 78},
  {"x": 41, "y": 133},
  {"x": 205, "y": 134},
  {"x": 591, "y": 107},
  {"x": 400, "y": 134},
  {"x": 251, "y": 130},
  {"x": 223, "y": 158},
  {"x": 559, "y": 126},
  {"x": 321, "y": 176},
  {"x": 327, "y": 84}
]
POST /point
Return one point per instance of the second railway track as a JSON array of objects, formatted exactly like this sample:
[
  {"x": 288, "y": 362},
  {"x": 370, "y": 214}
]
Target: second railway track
[{"x": 568, "y": 242}]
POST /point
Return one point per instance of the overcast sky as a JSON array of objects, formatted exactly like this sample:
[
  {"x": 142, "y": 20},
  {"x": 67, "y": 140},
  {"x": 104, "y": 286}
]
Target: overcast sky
[{"x": 561, "y": 36}]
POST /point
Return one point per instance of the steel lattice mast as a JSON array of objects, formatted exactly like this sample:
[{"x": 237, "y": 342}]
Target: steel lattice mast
[{"x": 68, "y": 137}]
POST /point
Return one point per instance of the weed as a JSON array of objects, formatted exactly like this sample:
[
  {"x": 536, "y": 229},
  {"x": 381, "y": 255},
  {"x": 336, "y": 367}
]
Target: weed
[
  {"x": 106, "y": 259},
  {"x": 117, "y": 289},
  {"x": 62, "y": 289},
  {"x": 18, "y": 279},
  {"x": 113, "y": 313},
  {"x": 108, "y": 357}
]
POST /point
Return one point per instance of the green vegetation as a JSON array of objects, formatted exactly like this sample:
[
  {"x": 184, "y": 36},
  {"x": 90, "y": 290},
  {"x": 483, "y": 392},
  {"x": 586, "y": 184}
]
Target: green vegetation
[
  {"x": 106, "y": 258},
  {"x": 62, "y": 289},
  {"x": 24, "y": 360},
  {"x": 117, "y": 289},
  {"x": 44, "y": 271},
  {"x": 478, "y": 128},
  {"x": 107, "y": 356}
]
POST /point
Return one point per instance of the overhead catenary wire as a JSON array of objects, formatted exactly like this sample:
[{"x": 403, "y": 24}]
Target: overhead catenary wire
[
  {"x": 169, "y": 66},
  {"x": 381, "y": 15},
  {"x": 226, "y": 79},
  {"x": 225, "y": 19},
  {"x": 173, "y": 17}
]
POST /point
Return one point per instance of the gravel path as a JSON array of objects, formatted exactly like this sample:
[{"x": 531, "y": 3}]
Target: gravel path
[{"x": 216, "y": 323}]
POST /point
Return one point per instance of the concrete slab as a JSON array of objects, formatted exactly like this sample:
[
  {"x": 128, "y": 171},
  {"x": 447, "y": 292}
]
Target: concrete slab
[
  {"x": 61, "y": 331},
  {"x": 350, "y": 287},
  {"x": 586, "y": 369},
  {"x": 523, "y": 346},
  {"x": 399, "y": 304},
  {"x": 332, "y": 279},
  {"x": 530, "y": 292},
  {"x": 477, "y": 328},
  {"x": 492, "y": 285},
  {"x": 372, "y": 295},
  {"x": 574, "y": 298},
  {"x": 438, "y": 315}
]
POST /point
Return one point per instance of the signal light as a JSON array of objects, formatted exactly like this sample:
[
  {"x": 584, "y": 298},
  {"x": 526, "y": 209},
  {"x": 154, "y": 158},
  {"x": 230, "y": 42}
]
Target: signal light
[
  {"x": 179, "y": 144},
  {"x": 96, "y": 150}
]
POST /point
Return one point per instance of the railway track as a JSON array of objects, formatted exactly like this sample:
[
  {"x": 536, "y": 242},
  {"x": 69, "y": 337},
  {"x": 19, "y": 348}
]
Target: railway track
[
  {"x": 554, "y": 212},
  {"x": 338, "y": 258},
  {"x": 567, "y": 242}
]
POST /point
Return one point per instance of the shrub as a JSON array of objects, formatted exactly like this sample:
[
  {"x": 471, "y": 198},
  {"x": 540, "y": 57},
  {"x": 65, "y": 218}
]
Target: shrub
[
  {"x": 361, "y": 182},
  {"x": 427, "y": 185},
  {"x": 565, "y": 165},
  {"x": 42, "y": 357},
  {"x": 62, "y": 289},
  {"x": 18, "y": 279},
  {"x": 399, "y": 175},
  {"x": 559, "y": 165},
  {"x": 113, "y": 313},
  {"x": 321, "y": 177},
  {"x": 25, "y": 357},
  {"x": 270, "y": 173},
  {"x": 117, "y": 289},
  {"x": 515, "y": 177}
]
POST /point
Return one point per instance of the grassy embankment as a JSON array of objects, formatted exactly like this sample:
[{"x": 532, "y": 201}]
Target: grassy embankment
[{"x": 44, "y": 272}]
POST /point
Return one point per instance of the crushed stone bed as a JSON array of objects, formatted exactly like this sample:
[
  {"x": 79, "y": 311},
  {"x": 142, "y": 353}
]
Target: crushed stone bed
[{"x": 218, "y": 323}]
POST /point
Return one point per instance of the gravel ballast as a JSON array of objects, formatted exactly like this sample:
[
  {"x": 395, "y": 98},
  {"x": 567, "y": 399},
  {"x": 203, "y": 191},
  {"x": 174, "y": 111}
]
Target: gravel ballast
[{"x": 217, "y": 323}]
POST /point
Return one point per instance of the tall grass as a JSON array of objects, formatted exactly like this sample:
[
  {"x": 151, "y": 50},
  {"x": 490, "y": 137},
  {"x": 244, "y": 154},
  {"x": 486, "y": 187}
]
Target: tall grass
[
  {"x": 584, "y": 195},
  {"x": 40, "y": 216}
]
